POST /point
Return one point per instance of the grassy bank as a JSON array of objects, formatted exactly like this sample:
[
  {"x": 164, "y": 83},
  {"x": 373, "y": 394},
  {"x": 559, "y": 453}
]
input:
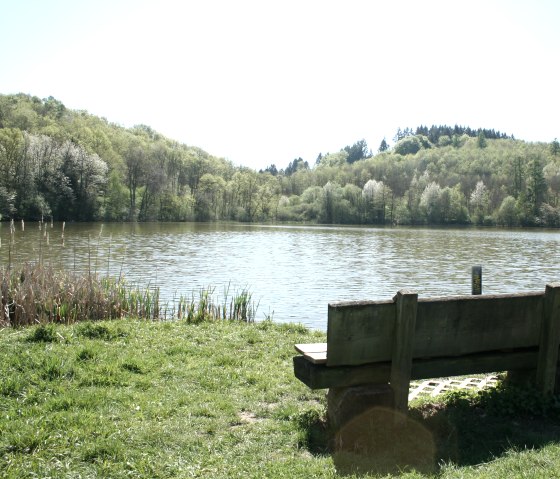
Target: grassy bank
[{"x": 218, "y": 399}]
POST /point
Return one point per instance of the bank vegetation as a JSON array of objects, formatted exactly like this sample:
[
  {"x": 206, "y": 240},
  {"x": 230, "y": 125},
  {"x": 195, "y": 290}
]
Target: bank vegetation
[
  {"x": 35, "y": 293},
  {"x": 71, "y": 165}
]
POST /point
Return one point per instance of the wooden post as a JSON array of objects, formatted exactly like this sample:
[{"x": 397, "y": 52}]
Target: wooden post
[
  {"x": 477, "y": 280},
  {"x": 401, "y": 364},
  {"x": 547, "y": 362}
]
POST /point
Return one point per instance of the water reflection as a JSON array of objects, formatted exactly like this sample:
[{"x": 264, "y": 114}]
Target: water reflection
[{"x": 294, "y": 271}]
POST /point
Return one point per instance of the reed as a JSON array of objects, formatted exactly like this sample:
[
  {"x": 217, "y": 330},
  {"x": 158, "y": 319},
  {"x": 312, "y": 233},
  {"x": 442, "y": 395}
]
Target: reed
[
  {"x": 237, "y": 306},
  {"x": 38, "y": 294}
]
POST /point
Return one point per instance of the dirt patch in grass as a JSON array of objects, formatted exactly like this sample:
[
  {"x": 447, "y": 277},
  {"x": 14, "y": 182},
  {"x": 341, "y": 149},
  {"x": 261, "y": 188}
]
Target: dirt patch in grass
[{"x": 247, "y": 417}]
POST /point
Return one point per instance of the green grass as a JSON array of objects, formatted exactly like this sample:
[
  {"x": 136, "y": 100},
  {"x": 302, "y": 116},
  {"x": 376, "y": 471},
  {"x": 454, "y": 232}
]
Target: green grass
[{"x": 219, "y": 400}]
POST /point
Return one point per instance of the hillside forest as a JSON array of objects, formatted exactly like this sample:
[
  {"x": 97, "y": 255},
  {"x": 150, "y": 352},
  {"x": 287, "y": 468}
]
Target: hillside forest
[{"x": 73, "y": 166}]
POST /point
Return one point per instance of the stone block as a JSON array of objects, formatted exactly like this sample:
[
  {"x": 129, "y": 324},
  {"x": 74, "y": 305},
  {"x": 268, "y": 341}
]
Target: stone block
[{"x": 344, "y": 404}]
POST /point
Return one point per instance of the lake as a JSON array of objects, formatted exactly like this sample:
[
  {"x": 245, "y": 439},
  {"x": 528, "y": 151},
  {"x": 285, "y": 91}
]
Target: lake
[{"x": 293, "y": 272}]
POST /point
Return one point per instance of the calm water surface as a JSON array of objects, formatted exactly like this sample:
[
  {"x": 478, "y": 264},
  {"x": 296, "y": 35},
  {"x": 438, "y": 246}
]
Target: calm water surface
[{"x": 293, "y": 272}]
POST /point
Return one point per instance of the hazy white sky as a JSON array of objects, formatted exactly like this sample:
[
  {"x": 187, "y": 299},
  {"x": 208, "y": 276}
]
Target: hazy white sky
[{"x": 262, "y": 82}]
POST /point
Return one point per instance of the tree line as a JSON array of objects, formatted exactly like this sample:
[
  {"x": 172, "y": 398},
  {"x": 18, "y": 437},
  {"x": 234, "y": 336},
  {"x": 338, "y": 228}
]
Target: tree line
[{"x": 70, "y": 165}]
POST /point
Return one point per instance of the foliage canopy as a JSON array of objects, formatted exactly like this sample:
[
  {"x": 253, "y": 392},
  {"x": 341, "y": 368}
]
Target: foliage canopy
[{"x": 70, "y": 165}]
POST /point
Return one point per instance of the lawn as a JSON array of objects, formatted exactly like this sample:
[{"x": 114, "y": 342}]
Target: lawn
[{"x": 218, "y": 399}]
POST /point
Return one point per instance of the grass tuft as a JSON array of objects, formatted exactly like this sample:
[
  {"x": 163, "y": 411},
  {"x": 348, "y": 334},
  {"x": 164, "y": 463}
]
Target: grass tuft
[
  {"x": 91, "y": 330},
  {"x": 43, "y": 334},
  {"x": 86, "y": 355},
  {"x": 104, "y": 451},
  {"x": 132, "y": 367}
]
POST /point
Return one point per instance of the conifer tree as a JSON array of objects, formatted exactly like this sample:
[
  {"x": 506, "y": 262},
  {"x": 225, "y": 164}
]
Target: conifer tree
[
  {"x": 383, "y": 146},
  {"x": 555, "y": 147}
]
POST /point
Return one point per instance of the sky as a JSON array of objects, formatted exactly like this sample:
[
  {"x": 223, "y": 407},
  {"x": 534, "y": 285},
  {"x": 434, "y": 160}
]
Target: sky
[{"x": 263, "y": 82}]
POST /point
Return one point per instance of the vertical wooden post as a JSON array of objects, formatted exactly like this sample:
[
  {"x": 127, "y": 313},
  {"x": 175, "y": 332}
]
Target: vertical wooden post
[
  {"x": 476, "y": 279},
  {"x": 549, "y": 339},
  {"x": 401, "y": 364}
]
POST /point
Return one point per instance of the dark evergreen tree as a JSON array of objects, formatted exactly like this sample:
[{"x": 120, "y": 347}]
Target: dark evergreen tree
[
  {"x": 271, "y": 169},
  {"x": 536, "y": 186},
  {"x": 555, "y": 147},
  {"x": 422, "y": 130},
  {"x": 383, "y": 146},
  {"x": 295, "y": 165},
  {"x": 358, "y": 151},
  {"x": 481, "y": 139}
]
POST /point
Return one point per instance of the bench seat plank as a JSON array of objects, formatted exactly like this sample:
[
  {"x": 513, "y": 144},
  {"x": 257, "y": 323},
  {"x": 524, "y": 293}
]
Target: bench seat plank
[
  {"x": 316, "y": 358},
  {"x": 311, "y": 348},
  {"x": 313, "y": 352}
]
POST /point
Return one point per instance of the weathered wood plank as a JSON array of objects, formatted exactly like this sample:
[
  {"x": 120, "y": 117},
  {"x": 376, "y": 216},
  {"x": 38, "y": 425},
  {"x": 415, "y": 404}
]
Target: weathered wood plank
[
  {"x": 401, "y": 363},
  {"x": 549, "y": 340},
  {"x": 321, "y": 376},
  {"x": 306, "y": 348},
  {"x": 362, "y": 332},
  {"x": 316, "y": 358},
  {"x": 314, "y": 352},
  {"x": 471, "y": 324}
]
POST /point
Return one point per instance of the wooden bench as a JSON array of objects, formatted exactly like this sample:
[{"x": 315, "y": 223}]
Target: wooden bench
[{"x": 392, "y": 342}]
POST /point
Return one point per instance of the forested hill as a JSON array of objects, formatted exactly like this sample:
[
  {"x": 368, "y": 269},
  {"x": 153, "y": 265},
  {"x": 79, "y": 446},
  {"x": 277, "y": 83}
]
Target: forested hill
[{"x": 70, "y": 165}]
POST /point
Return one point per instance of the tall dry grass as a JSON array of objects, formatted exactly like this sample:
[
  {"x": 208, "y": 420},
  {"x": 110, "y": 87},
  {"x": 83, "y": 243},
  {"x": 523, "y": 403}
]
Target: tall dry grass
[{"x": 37, "y": 294}]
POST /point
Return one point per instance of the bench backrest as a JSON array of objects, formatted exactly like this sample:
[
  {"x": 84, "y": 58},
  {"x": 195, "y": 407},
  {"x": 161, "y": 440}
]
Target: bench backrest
[{"x": 363, "y": 332}]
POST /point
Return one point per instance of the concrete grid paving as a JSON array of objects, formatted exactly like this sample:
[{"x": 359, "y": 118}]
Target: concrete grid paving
[{"x": 433, "y": 387}]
